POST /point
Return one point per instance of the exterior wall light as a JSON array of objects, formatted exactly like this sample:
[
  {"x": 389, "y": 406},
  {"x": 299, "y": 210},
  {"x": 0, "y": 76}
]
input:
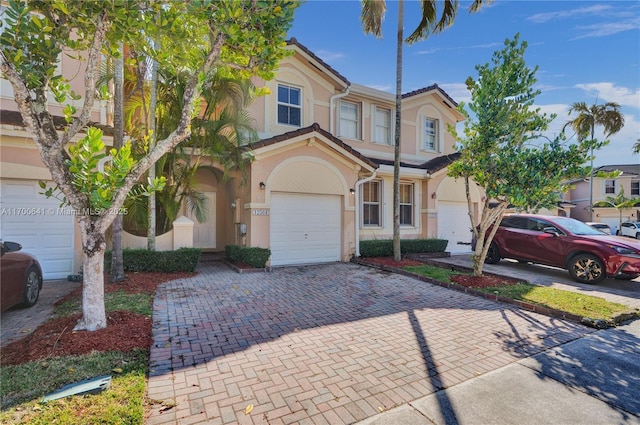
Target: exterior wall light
[
  {"x": 352, "y": 191},
  {"x": 262, "y": 185}
]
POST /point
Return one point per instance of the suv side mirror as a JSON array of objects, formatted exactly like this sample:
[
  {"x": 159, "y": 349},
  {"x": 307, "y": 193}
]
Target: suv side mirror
[
  {"x": 10, "y": 247},
  {"x": 552, "y": 231}
]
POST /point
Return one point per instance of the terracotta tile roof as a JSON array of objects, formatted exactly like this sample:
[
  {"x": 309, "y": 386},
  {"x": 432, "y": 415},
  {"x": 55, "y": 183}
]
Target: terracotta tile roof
[
  {"x": 315, "y": 127},
  {"x": 14, "y": 118},
  {"x": 294, "y": 42},
  {"x": 428, "y": 89},
  {"x": 431, "y": 166}
]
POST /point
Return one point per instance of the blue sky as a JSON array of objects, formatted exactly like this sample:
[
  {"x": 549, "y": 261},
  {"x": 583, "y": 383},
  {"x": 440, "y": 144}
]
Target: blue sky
[{"x": 586, "y": 51}]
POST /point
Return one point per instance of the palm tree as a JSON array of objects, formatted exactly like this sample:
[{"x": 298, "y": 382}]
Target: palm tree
[
  {"x": 607, "y": 116},
  {"x": 220, "y": 130},
  {"x": 636, "y": 147},
  {"x": 431, "y": 22}
]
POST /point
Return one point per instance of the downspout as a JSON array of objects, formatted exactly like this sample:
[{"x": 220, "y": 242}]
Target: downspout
[
  {"x": 357, "y": 200},
  {"x": 332, "y": 108}
]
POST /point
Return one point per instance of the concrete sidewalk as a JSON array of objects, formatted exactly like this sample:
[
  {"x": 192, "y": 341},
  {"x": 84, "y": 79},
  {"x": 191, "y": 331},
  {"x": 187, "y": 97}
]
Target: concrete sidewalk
[{"x": 593, "y": 380}]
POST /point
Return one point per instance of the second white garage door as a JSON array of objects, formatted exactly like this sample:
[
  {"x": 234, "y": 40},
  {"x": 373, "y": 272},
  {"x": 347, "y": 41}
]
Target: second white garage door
[
  {"x": 39, "y": 225},
  {"x": 305, "y": 229},
  {"x": 455, "y": 226}
]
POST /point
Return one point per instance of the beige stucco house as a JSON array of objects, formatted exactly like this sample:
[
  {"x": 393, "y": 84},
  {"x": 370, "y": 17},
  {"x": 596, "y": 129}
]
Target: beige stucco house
[
  {"x": 607, "y": 187},
  {"x": 321, "y": 179}
]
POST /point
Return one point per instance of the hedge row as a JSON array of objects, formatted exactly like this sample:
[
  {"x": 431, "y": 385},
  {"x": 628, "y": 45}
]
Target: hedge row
[
  {"x": 142, "y": 260},
  {"x": 251, "y": 256},
  {"x": 384, "y": 247}
]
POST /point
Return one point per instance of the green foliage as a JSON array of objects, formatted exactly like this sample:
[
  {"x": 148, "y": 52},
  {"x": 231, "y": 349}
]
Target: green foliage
[
  {"x": 252, "y": 256},
  {"x": 142, "y": 260},
  {"x": 434, "y": 272},
  {"x": 384, "y": 247},
  {"x": 99, "y": 176},
  {"x": 140, "y": 303},
  {"x": 570, "y": 302},
  {"x": 501, "y": 148}
]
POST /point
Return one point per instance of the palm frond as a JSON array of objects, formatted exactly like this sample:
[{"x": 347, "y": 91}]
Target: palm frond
[{"x": 372, "y": 15}]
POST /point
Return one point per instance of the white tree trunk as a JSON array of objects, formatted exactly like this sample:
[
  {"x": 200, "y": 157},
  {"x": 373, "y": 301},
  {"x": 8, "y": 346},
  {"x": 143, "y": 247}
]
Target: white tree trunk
[{"x": 93, "y": 309}]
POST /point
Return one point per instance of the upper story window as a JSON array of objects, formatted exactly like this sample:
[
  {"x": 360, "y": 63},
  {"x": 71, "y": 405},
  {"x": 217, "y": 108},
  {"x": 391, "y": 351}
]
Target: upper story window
[
  {"x": 349, "y": 120},
  {"x": 635, "y": 187},
  {"x": 382, "y": 125},
  {"x": 406, "y": 204},
  {"x": 372, "y": 203},
  {"x": 610, "y": 187},
  {"x": 431, "y": 135},
  {"x": 289, "y": 105}
]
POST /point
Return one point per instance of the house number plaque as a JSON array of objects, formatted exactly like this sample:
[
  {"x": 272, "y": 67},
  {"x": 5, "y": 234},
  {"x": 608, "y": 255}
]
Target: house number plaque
[{"x": 260, "y": 212}]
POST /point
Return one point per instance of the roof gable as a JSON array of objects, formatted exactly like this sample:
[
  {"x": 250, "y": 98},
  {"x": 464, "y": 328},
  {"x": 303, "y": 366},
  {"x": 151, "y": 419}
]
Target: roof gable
[{"x": 309, "y": 131}]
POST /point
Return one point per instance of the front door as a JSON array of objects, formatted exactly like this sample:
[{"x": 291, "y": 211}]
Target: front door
[{"x": 204, "y": 234}]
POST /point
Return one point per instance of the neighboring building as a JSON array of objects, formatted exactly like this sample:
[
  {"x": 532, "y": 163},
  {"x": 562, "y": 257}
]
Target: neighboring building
[
  {"x": 603, "y": 188},
  {"x": 322, "y": 176}
]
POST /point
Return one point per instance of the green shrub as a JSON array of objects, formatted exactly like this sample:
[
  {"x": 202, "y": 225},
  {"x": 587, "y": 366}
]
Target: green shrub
[
  {"x": 142, "y": 260},
  {"x": 384, "y": 247},
  {"x": 251, "y": 256}
]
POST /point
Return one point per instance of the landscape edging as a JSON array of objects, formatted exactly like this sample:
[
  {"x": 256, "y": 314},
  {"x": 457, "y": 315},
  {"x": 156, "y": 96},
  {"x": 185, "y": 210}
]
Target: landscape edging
[{"x": 547, "y": 311}]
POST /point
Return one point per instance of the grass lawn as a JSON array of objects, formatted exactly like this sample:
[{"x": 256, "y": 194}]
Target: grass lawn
[
  {"x": 24, "y": 383},
  {"x": 567, "y": 301}
]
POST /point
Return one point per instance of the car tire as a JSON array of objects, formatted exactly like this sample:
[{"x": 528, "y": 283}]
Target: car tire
[
  {"x": 493, "y": 254},
  {"x": 587, "y": 268},
  {"x": 31, "y": 288},
  {"x": 638, "y": 235}
]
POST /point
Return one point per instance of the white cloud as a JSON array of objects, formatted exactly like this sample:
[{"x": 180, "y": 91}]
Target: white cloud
[
  {"x": 610, "y": 28},
  {"x": 620, "y": 147},
  {"x": 328, "y": 56},
  {"x": 597, "y": 9},
  {"x": 475, "y": 46},
  {"x": 457, "y": 91},
  {"x": 612, "y": 93}
]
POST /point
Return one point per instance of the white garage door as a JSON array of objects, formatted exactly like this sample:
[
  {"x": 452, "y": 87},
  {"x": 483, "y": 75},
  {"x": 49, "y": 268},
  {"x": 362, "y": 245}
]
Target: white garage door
[
  {"x": 454, "y": 225},
  {"x": 305, "y": 229},
  {"x": 38, "y": 225}
]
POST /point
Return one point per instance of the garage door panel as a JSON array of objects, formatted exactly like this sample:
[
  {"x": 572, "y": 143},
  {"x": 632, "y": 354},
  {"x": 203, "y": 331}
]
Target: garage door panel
[
  {"x": 39, "y": 225},
  {"x": 305, "y": 229},
  {"x": 454, "y": 226}
]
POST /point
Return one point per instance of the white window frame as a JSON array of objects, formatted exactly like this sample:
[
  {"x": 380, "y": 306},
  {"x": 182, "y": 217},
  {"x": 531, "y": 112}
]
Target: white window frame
[
  {"x": 426, "y": 137},
  {"x": 410, "y": 204},
  {"x": 288, "y": 105},
  {"x": 357, "y": 121},
  {"x": 375, "y": 124},
  {"x": 378, "y": 203},
  {"x": 613, "y": 185}
]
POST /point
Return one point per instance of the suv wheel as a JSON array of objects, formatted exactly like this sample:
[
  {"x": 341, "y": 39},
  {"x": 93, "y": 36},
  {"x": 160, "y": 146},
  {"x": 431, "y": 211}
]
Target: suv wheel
[
  {"x": 493, "y": 254},
  {"x": 586, "y": 268}
]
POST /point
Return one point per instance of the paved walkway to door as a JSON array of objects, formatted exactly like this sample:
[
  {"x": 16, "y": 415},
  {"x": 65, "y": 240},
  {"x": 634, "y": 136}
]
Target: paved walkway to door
[{"x": 324, "y": 344}]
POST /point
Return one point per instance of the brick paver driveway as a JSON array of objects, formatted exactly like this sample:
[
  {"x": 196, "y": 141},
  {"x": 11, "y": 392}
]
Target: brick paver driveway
[{"x": 324, "y": 344}]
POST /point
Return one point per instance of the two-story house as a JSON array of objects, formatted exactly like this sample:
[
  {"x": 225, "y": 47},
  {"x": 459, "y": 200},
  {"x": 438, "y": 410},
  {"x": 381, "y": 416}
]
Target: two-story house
[
  {"x": 322, "y": 177},
  {"x": 628, "y": 182}
]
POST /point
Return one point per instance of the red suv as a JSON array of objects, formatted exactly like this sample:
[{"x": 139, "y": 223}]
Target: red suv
[{"x": 588, "y": 254}]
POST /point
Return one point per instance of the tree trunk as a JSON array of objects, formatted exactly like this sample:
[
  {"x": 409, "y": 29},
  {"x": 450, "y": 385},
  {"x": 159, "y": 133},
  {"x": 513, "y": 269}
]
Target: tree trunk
[
  {"x": 151, "y": 231},
  {"x": 93, "y": 310},
  {"x": 397, "y": 254},
  {"x": 117, "y": 262}
]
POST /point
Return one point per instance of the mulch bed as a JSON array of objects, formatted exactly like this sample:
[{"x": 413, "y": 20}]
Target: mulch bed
[{"x": 125, "y": 330}]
